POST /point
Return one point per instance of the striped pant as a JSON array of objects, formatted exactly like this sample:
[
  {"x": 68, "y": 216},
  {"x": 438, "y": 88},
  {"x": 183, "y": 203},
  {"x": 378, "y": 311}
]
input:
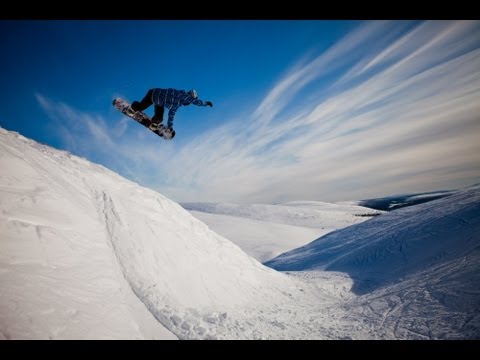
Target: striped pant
[{"x": 147, "y": 102}]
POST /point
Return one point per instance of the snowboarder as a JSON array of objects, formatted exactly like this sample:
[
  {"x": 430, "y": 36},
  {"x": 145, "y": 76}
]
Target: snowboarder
[{"x": 167, "y": 98}]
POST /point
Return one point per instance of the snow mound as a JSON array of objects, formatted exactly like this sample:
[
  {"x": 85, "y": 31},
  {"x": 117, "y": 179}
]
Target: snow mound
[{"x": 78, "y": 238}]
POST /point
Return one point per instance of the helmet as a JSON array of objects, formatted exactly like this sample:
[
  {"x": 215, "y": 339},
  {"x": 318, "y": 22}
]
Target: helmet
[{"x": 193, "y": 93}]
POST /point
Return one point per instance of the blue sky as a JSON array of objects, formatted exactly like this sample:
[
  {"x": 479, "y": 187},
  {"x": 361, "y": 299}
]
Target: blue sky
[{"x": 303, "y": 110}]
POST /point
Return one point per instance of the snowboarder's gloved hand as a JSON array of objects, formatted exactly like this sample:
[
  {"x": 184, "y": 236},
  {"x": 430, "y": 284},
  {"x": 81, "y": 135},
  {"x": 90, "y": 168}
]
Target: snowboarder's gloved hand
[
  {"x": 208, "y": 103},
  {"x": 172, "y": 132}
]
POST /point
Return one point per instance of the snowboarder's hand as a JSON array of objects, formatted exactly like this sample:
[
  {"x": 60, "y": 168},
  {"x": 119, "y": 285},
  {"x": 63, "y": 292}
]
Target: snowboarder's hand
[{"x": 208, "y": 103}]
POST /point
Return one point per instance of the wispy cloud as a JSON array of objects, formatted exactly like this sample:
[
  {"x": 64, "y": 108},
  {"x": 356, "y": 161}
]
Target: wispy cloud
[{"x": 392, "y": 107}]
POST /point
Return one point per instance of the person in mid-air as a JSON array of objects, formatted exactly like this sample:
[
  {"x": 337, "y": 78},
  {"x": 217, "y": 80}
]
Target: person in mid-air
[{"x": 167, "y": 98}]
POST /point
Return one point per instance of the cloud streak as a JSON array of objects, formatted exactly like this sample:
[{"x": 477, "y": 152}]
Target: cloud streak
[{"x": 392, "y": 107}]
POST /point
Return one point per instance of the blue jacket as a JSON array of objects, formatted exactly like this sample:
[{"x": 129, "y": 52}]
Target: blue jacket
[{"x": 172, "y": 99}]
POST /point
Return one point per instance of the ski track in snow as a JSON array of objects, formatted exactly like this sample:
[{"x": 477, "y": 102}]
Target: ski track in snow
[{"x": 86, "y": 253}]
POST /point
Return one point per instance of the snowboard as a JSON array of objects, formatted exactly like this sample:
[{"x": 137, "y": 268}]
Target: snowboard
[{"x": 142, "y": 118}]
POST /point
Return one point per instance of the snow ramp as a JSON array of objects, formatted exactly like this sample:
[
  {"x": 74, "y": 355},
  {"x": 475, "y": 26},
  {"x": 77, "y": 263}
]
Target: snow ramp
[{"x": 75, "y": 233}]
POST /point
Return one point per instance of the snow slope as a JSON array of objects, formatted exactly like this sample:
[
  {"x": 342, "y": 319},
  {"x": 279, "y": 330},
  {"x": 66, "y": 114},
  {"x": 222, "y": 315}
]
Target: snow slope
[
  {"x": 58, "y": 274},
  {"x": 78, "y": 238},
  {"x": 395, "y": 244},
  {"x": 263, "y": 240},
  {"x": 417, "y": 267},
  {"x": 266, "y": 231}
]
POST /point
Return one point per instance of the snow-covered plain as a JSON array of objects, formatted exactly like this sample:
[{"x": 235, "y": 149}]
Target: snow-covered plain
[
  {"x": 87, "y": 254},
  {"x": 264, "y": 231}
]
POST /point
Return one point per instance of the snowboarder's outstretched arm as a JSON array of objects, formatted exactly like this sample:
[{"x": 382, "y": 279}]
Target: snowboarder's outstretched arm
[
  {"x": 173, "y": 110},
  {"x": 185, "y": 101}
]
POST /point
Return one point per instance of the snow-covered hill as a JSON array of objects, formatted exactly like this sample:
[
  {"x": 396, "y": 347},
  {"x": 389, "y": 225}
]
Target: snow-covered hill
[
  {"x": 314, "y": 214},
  {"x": 265, "y": 231},
  {"x": 77, "y": 239},
  {"x": 85, "y": 253},
  {"x": 396, "y": 244},
  {"x": 422, "y": 263}
]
